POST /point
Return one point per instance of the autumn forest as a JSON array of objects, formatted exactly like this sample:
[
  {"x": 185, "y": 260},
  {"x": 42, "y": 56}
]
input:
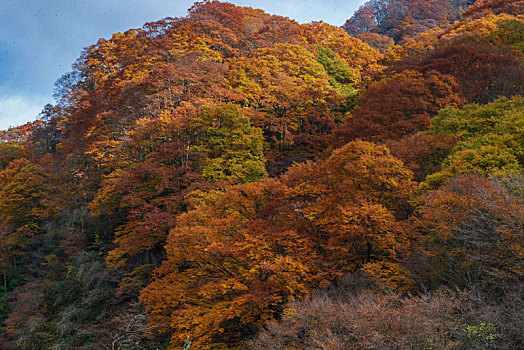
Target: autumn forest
[{"x": 236, "y": 180}]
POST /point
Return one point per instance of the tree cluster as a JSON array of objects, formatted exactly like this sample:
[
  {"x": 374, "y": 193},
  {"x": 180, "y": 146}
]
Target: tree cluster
[{"x": 233, "y": 179}]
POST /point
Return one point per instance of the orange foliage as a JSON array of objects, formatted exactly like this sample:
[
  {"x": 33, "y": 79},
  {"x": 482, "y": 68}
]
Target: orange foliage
[
  {"x": 377, "y": 41},
  {"x": 482, "y": 8},
  {"x": 475, "y": 231},
  {"x": 355, "y": 53},
  {"x": 241, "y": 252},
  {"x": 483, "y": 72},
  {"x": 162, "y": 133},
  {"x": 289, "y": 97},
  {"x": 26, "y": 201}
]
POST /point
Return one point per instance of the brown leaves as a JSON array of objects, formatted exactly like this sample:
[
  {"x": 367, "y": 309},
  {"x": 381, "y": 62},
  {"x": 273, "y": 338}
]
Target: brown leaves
[
  {"x": 483, "y": 7},
  {"x": 355, "y": 314},
  {"x": 399, "y": 105},
  {"x": 241, "y": 252},
  {"x": 474, "y": 228}
]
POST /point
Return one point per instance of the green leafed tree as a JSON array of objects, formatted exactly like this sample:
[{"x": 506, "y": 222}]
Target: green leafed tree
[
  {"x": 234, "y": 148},
  {"x": 206, "y": 146},
  {"x": 491, "y": 139}
]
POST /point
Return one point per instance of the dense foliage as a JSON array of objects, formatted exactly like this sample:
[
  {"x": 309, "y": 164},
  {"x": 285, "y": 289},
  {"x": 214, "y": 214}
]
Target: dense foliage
[
  {"x": 403, "y": 19},
  {"x": 233, "y": 179}
]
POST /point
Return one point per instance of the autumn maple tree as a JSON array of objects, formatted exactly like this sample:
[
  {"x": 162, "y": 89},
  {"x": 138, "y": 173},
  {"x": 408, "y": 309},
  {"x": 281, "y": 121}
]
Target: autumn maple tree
[
  {"x": 474, "y": 230},
  {"x": 218, "y": 143},
  {"x": 399, "y": 105},
  {"x": 216, "y": 181},
  {"x": 241, "y": 252}
]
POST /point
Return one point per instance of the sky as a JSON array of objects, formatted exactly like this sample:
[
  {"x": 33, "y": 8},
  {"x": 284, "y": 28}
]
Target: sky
[{"x": 41, "y": 39}]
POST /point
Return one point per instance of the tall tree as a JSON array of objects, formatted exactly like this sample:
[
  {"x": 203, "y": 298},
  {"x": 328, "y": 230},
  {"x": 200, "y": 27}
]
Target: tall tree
[
  {"x": 491, "y": 138},
  {"x": 213, "y": 144},
  {"x": 240, "y": 253},
  {"x": 398, "y": 105}
]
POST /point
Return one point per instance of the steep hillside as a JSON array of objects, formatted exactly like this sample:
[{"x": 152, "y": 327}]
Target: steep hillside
[{"x": 224, "y": 179}]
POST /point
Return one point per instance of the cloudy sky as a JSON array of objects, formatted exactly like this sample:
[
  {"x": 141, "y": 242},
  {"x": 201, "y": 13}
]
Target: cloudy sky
[{"x": 40, "y": 39}]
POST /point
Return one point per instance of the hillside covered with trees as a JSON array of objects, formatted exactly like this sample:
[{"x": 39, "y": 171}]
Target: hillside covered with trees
[{"x": 236, "y": 180}]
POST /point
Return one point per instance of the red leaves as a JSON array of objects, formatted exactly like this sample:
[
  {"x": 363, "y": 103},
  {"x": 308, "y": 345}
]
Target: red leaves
[
  {"x": 484, "y": 72},
  {"x": 404, "y": 19},
  {"x": 240, "y": 253},
  {"x": 399, "y": 105},
  {"x": 483, "y": 7},
  {"x": 166, "y": 130}
]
